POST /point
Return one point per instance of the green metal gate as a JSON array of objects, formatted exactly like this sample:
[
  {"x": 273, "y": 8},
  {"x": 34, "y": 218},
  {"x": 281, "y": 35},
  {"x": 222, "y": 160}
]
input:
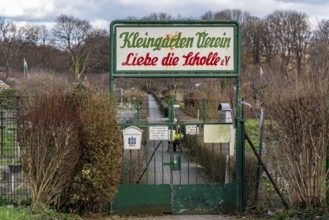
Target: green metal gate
[{"x": 197, "y": 177}]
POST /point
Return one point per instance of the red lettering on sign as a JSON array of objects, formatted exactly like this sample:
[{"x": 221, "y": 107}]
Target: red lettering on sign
[
  {"x": 135, "y": 60},
  {"x": 170, "y": 60},
  {"x": 192, "y": 59}
]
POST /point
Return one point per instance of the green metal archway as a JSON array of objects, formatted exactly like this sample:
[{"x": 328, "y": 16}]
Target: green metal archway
[{"x": 139, "y": 49}]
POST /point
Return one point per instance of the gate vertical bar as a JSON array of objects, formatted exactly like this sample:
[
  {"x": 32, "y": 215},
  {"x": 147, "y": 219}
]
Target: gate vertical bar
[
  {"x": 243, "y": 195},
  {"x": 220, "y": 164},
  {"x": 239, "y": 121},
  {"x": 130, "y": 167},
  {"x": 162, "y": 163},
  {"x": 123, "y": 166},
  {"x": 147, "y": 172},
  {"x": 2, "y": 132},
  {"x": 112, "y": 49},
  {"x": 212, "y": 161},
  {"x": 196, "y": 164},
  {"x": 171, "y": 127},
  {"x": 155, "y": 176},
  {"x": 139, "y": 164}
]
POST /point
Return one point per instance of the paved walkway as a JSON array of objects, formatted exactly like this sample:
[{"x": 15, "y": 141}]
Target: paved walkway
[{"x": 158, "y": 171}]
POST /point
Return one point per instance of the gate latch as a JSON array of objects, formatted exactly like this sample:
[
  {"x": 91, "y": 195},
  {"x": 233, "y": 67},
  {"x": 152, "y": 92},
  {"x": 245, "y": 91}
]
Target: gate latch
[{"x": 175, "y": 162}]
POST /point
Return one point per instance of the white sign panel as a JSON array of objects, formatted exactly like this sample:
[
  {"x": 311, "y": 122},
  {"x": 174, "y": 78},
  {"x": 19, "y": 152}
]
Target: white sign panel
[
  {"x": 217, "y": 134},
  {"x": 189, "y": 48},
  {"x": 132, "y": 138},
  {"x": 158, "y": 133},
  {"x": 191, "y": 129}
]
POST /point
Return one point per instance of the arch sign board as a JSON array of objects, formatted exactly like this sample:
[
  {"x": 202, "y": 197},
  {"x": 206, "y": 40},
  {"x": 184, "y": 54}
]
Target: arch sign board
[{"x": 174, "y": 46}]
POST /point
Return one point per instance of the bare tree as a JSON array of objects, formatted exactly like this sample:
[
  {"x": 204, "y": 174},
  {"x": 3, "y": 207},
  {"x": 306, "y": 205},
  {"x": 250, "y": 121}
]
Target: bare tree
[
  {"x": 291, "y": 32},
  {"x": 320, "y": 45},
  {"x": 271, "y": 45},
  {"x": 158, "y": 17},
  {"x": 232, "y": 14},
  {"x": 207, "y": 16},
  {"x": 99, "y": 46},
  {"x": 12, "y": 40},
  {"x": 71, "y": 35},
  {"x": 252, "y": 39},
  {"x": 43, "y": 33}
]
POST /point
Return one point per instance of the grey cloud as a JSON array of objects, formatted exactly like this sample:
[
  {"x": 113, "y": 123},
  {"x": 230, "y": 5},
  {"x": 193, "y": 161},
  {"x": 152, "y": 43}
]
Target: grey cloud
[{"x": 306, "y": 1}]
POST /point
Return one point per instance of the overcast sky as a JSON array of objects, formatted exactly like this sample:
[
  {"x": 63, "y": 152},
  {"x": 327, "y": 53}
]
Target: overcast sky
[{"x": 101, "y": 12}]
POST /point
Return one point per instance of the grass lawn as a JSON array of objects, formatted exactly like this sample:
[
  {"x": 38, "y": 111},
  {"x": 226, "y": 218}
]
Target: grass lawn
[
  {"x": 11, "y": 213},
  {"x": 252, "y": 129}
]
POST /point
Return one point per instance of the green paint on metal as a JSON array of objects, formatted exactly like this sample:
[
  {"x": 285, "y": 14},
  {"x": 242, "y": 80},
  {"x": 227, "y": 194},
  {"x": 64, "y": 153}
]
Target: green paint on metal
[
  {"x": 176, "y": 162},
  {"x": 130, "y": 167},
  {"x": 167, "y": 123},
  {"x": 140, "y": 199},
  {"x": 242, "y": 182},
  {"x": 123, "y": 167},
  {"x": 204, "y": 155},
  {"x": 180, "y": 24},
  {"x": 188, "y": 199},
  {"x": 196, "y": 164},
  {"x": 139, "y": 163},
  {"x": 162, "y": 157},
  {"x": 159, "y": 75},
  {"x": 155, "y": 175},
  {"x": 220, "y": 162},
  {"x": 212, "y": 161},
  {"x": 146, "y": 160},
  {"x": 203, "y": 199}
]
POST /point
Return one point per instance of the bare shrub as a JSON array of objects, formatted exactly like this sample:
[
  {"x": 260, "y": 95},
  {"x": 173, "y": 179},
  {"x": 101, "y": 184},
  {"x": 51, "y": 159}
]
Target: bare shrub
[
  {"x": 48, "y": 133},
  {"x": 71, "y": 146},
  {"x": 298, "y": 110},
  {"x": 41, "y": 82}
]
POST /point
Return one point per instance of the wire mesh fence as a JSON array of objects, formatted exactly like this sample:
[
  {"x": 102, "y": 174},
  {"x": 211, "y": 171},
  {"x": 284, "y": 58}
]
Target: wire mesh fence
[
  {"x": 13, "y": 184},
  {"x": 260, "y": 191}
]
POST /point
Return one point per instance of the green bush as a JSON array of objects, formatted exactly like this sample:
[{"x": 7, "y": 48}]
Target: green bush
[{"x": 99, "y": 172}]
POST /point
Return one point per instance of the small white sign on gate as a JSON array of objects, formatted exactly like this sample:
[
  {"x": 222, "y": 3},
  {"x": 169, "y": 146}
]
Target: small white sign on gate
[
  {"x": 158, "y": 133},
  {"x": 191, "y": 129}
]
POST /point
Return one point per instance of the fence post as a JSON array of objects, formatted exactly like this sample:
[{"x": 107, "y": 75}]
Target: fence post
[
  {"x": 204, "y": 114},
  {"x": 261, "y": 128},
  {"x": 240, "y": 160},
  {"x": 2, "y": 128},
  {"x": 327, "y": 175}
]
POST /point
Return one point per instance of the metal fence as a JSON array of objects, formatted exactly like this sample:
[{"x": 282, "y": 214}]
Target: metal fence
[
  {"x": 13, "y": 185},
  {"x": 200, "y": 163}
]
